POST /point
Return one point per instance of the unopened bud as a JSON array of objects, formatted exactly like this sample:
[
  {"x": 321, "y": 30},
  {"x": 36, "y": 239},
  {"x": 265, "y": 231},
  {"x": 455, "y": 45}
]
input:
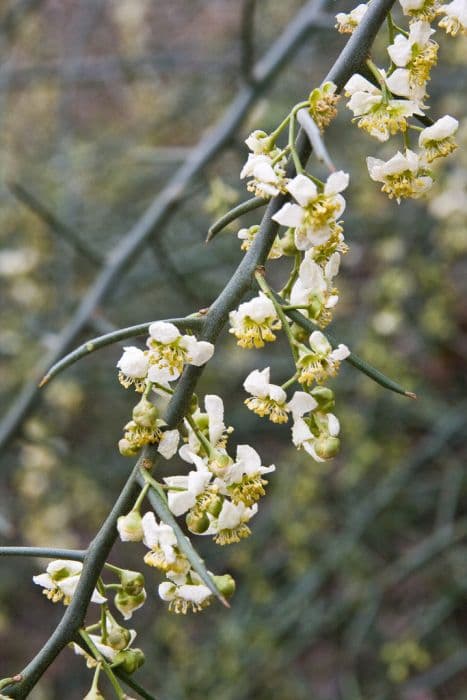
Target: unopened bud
[
  {"x": 215, "y": 506},
  {"x": 327, "y": 447},
  {"x": 325, "y": 398},
  {"x": 145, "y": 413},
  {"x": 130, "y": 527},
  {"x": 225, "y": 584},
  {"x": 118, "y": 637},
  {"x": 127, "y": 604},
  {"x": 299, "y": 333},
  {"x": 197, "y": 522},
  {"x": 132, "y": 582},
  {"x": 129, "y": 660}
]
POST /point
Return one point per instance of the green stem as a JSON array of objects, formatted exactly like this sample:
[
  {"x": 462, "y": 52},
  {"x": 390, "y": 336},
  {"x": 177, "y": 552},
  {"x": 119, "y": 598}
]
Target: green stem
[
  {"x": 285, "y": 291},
  {"x": 391, "y": 27},
  {"x": 290, "y": 381},
  {"x": 199, "y": 434},
  {"x": 141, "y": 497},
  {"x": 107, "y": 670},
  {"x": 234, "y": 214},
  {"x": 147, "y": 390},
  {"x": 295, "y": 157},
  {"x": 285, "y": 323}
]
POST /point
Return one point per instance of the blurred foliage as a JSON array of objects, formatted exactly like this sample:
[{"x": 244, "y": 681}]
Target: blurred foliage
[{"x": 353, "y": 584}]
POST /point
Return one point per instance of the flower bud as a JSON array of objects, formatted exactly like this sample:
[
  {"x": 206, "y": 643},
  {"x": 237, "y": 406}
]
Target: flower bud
[
  {"x": 225, "y": 584},
  {"x": 197, "y": 522},
  {"x": 118, "y": 637},
  {"x": 132, "y": 582},
  {"x": 215, "y": 506},
  {"x": 129, "y": 527},
  {"x": 299, "y": 333},
  {"x": 127, "y": 604},
  {"x": 145, "y": 413},
  {"x": 325, "y": 398},
  {"x": 126, "y": 448},
  {"x": 129, "y": 660},
  {"x": 327, "y": 447}
]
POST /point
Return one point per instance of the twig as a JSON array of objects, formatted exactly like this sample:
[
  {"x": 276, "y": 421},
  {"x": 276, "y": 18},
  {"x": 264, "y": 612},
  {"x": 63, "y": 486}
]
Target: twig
[
  {"x": 233, "y": 214},
  {"x": 45, "y": 552},
  {"x": 189, "y": 322},
  {"x": 349, "y": 61},
  {"x": 352, "y": 359}
]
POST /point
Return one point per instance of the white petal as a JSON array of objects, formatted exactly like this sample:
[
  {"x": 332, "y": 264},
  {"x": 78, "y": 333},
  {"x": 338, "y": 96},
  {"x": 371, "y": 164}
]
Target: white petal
[
  {"x": 194, "y": 594},
  {"x": 164, "y": 332},
  {"x": 336, "y": 182},
  {"x": 215, "y": 410},
  {"x": 319, "y": 343},
  {"x": 333, "y": 425},
  {"x": 257, "y": 383},
  {"x": 340, "y": 353},
  {"x": 167, "y": 590},
  {"x": 169, "y": 443},
  {"x": 302, "y": 189},
  {"x": 301, "y": 403},
  {"x": 311, "y": 275},
  {"x": 133, "y": 363},
  {"x": 180, "y": 501},
  {"x": 400, "y": 51},
  {"x": 199, "y": 351},
  {"x": 442, "y": 129},
  {"x": 290, "y": 215}
]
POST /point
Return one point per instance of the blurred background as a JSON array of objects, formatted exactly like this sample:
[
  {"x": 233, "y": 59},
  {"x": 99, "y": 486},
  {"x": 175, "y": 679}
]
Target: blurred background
[{"x": 353, "y": 585}]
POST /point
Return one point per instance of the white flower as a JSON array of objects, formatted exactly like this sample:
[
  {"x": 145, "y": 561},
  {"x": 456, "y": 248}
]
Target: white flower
[
  {"x": 418, "y": 54},
  {"x": 437, "y": 140},
  {"x": 184, "y": 596},
  {"x": 323, "y": 446},
  {"x": 320, "y": 360},
  {"x": 301, "y": 403},
  {"x": 377, "y": 116},
  {"x": 243, "y": 480},
  {"x": 267, "y": 179},
  {"x": 106, "y": 650},
  {"x": 133, "y": 366},
  {"x": 268, "y": 399},
  {"x": 61, "y": 579},
  {"x": 169, "y": 351},
  {"x": 258, "y": 142},
  {"x": 347, "y": 23},
  {"x": 455, "y": 17},
  {"x": 162, "y": 542},
  {"x": 403, "y": 175},
  {"x": 129, "y": 527},
  {"x": 253, "y": 322},
  {"x": 314, "y": 288},
  {"x": 315, "y": 216},
  {"x": 230, "y": 526},
  {"x": 184, "y": 490},
  {"x": 420, "y": 9}
]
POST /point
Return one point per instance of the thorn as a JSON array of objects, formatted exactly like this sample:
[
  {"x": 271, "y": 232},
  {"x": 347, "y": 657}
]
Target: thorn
[
  {"x": 43, "y": 381},
  {"x": 224, "y": 602},
  {"x": 411, "y": 395},
  {"x": 18, "y": 678}
]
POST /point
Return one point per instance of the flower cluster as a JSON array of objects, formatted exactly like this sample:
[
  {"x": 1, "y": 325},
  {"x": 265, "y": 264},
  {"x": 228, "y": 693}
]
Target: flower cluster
[
  {"x": 154, "y": 370},
  {"x": 385, "y": 106}
]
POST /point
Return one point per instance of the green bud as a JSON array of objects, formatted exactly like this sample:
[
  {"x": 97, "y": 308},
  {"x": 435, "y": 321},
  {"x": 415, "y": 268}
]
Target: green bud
[
  {"x": 129, "y": 660},
  {"x": 327, "y": 447},
  {"x": 325, "y": 398},
  {"x": 197, "y": 522},
  {"x": 132, "y": 582},
  {"x": 127, "y": 604},
  {"x": 215, "y": 506},
  {"x": 225, "y": 584},
  {"x": 126, "y": 448},
  {"x": 145, "y": 413},
  {"x": 118, "y": 637},
  {"x": 299, "y": 333},
  {"x": 130, "y": 526}
]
